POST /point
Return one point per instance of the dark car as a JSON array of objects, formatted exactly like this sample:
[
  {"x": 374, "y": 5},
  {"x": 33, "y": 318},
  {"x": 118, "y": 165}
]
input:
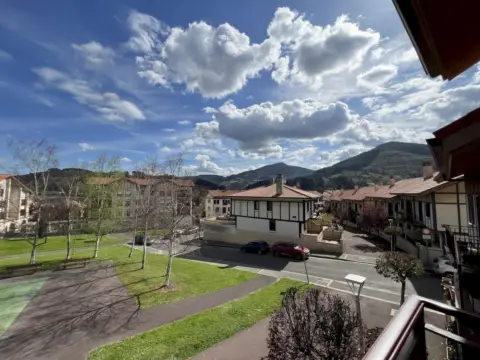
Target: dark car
[
  {"x": 290, "y": 249},
  {"x": 257, "y": 247},
  {"x": 140, "y": 238}
]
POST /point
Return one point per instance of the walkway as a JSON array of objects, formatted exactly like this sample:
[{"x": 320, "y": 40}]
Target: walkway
[
  {"x": 358, "y": 243},
  {"x": 79, "y": 310}
]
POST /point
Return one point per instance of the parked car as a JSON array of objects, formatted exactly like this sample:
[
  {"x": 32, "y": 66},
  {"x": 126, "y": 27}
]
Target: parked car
[
  {"x": 257, "y": 247},
  {"x": 140, "y": 238},
  {"x": 442, "y": 266},
  {"x": 290, "y": 249}
]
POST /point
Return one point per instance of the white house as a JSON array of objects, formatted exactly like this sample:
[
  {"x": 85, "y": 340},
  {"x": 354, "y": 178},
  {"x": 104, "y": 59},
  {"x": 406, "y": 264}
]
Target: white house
[
  {"x": 14, "y": 203},
  {"x": 275, "y": 210},
  {"x": 218, "y": 202}
]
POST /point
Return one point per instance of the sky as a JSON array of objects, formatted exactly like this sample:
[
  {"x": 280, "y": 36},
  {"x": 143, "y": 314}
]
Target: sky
[{"x": 228, "y": 85}]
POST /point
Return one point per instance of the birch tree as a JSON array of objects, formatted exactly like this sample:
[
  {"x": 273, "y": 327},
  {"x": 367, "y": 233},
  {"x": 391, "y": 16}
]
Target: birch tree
[
  {"x": 147, "y": 199},
  {"x": 105, "y": 208},
  {"x": 37, "y": 157},
  {"x": 74, "y": 197}
]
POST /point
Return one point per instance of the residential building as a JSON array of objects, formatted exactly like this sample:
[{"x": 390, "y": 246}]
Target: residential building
[
  {"x": 14, "y": 204},
  {"x": 273, "y": 211},
  {"x": 218, "y": 202}
]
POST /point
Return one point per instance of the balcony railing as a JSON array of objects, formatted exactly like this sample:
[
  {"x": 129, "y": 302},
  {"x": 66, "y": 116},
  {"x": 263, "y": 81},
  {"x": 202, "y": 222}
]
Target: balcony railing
[
  {"x": 464, "y": 243},
  {"x": 405, "y": 335}
]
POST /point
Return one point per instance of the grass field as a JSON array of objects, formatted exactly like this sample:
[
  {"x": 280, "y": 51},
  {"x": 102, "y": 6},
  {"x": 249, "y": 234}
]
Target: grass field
[
  {"x": 185, "y": 338},
  {"x": 21, "y": 246},
  {"x": 189, "y": 278},
  {"x": 14, "y": 297}
]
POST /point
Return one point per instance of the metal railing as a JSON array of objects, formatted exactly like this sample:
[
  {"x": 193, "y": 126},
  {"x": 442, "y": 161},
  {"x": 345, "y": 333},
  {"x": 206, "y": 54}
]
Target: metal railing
[
  {"x": 405, "y": 335},
  {"x": 464, "y": 243}
]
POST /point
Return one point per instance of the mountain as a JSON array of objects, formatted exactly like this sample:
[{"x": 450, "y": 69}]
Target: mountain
[
  {"x": 243, "y": 179},
  {"x": 376, "y": 166}
]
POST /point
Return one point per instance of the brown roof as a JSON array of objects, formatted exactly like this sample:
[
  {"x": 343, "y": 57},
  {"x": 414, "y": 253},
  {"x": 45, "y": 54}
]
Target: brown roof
[
  {"x": 151, "y": 181},
  {"x": 5, "y": 176},
  {"x": 222, "y": 193},
  {"x": 417, "y": 186},
  {"x": 271, "y": 192}
]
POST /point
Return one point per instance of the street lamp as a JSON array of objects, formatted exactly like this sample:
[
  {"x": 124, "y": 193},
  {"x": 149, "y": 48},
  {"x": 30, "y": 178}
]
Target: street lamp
[{"x": 355, "y": 283}]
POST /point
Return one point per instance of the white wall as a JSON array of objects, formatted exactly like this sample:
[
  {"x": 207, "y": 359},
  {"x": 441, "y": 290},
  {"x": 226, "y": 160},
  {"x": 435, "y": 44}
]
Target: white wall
[
  {"x": 447, "y": 206},
  {"x": 281, "y": 209},
  {"x": 283, "y": 228}
]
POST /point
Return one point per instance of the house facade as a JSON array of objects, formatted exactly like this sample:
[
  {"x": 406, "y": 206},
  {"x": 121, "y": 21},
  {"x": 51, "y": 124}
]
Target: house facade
[
  {"x": 14, "y": 204},
  {"x": 218, "y": 203},
  {"x": 275, "y": 211}
]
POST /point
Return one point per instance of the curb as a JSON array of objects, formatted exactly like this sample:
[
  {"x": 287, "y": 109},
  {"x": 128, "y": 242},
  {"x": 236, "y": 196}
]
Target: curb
[{"x": 332, "y": 257}]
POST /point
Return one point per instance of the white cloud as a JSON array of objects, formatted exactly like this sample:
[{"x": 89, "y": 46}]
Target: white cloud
[
  {"x": 209, "y": 110},
  {"x": 85, "y": 146},
  {"x": 318, "y": 51},
  {"x": 377, "y": 76},
  {"x": 184, "y": 122},
  {"x": 300, "y": 156},
  {"x": 231, "y": 153},
  {"x": 257, "y": 126},
  {"x": 5, "y": 56},
  {"x": 215, "y": 61},
  {"x": 109, "y": 105},
  {"x": 165, "y": 149},
  {"x": 206, "y": 165},
  {"x": 95, "y": 54},
  {"x": 145, "y": 29},
  {"x": 169, "y": 130},
  {"x": 126, "y": 160}
]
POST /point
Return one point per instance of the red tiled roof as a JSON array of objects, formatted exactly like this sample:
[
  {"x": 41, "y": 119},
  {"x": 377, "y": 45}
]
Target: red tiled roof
[
  {"x": 5, "y": 176},
  {"x": 271, "y": 192},
  {"x": 417, "y": 186},
  {"x": 222, "y": 193}
]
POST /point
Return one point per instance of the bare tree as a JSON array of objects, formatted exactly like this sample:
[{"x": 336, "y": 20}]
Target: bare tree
[
  {"x": 105, "y": 207},
  {"x": 74, "y": 199},
  {"x": 373, "y": 218},
  {"x": 37, "y": 158},
  {"x": 175, "y": 207},
  {"x": 147, "y": 196}
]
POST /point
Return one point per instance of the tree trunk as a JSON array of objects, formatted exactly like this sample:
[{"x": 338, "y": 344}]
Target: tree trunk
[
  {"x": 69, "y": 237},
  {"x": 402, "y": 294},
  {"x": 34, "y": 251},
  {"x": 169, "y": 265},
  {"x": 97, "y": 245},
  {"x": 134, "y": 234}
]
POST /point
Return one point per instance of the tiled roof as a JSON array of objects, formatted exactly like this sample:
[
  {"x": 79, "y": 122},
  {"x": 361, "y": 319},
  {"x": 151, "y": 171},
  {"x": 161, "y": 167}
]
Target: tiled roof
[
  {"x": 222, "y": 193},
  {"x": 417, "y": 186},
  {"x": 5, "y": 176},
  {"x": 271, "y": 192}
]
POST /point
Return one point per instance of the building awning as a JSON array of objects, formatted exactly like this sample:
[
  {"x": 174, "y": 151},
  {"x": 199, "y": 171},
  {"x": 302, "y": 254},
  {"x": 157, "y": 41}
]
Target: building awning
[{"x": 444, "y": 33}]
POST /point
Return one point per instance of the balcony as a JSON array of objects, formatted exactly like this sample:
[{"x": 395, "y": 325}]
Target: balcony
[
  {"x": 405, "y": 335},
  {"x": 464, "y": 244}
]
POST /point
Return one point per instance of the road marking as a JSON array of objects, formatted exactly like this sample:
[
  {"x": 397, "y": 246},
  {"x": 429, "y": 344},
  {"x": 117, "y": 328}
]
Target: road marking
[{"x": 330, "y": 283}]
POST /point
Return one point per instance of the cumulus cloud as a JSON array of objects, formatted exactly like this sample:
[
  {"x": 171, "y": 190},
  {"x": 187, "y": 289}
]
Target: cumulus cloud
[
  {"x": 316, "y": 50},
  {"x": 109, "y": 105},
  {"x": 145, "y": 30},
  {"x": 257, "y": 126},
  {"x": 85, "y": 146},
  {"x": 215, "y": 61},
  {"x": 125, "y": 160},
  {"x": 207, "y": 165},
  {"x": 94, "y": 53},
  {"x": 377, "y": 76}
]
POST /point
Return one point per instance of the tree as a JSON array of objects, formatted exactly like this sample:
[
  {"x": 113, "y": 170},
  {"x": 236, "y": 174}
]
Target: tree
[
  {"x": 399, "y": 267},
  {"x": 74, "y": 202},
  {"x": 313, "y": 325},
  {"x": 105, "y": 206},
  {"x": 374, "y": 217},
  {"x": 147, "y": 199},
  {"x": 37, "y": 158}
]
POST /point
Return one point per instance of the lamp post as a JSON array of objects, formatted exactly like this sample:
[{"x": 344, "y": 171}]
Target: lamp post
[{"x": 355, "y": 283}]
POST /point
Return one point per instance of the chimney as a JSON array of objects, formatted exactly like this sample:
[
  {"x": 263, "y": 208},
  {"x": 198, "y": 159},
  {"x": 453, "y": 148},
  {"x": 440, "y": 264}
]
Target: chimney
[
  {"x": 356, "y": 188},
  {"x": 392, "y": 181},
  {"x": 298, "y": 185},
  {"x": 427, "y": 170},
  {"x": 279, "y": 183}
]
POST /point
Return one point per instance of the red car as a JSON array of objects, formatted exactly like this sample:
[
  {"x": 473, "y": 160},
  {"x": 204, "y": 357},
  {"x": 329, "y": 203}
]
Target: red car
[{"x": 290, "y": 249}]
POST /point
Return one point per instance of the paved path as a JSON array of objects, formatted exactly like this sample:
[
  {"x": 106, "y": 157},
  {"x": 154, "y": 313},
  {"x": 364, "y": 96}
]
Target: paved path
[
  {"x": 358, "y": 243},
  {"x": 79, "y": 310}
]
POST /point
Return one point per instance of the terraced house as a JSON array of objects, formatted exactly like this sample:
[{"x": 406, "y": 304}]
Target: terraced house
[{"x": 218, "y": 202}]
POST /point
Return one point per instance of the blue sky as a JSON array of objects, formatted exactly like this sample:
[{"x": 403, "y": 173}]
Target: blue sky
[{"x": 230, "y": 85}]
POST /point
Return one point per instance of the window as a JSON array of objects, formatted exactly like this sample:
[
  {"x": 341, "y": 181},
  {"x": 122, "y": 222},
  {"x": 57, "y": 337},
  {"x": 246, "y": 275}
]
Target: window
[
  {"x": 226, "y": 202},
  {"x": 22, "y": 212},
  {"x": 127, "y": 203},
  {"x": 24, "y": 202},
  {"x": 217, "y": 210},
  {"x": 224, "y": 210},
  {"x": 269, "y": 206},
  {"x": 396, "y": 207},
  {"x": 420, "y": 210},
  {"x": 255, "y": 205},
  {"x": 216, "y": 202},
  {"x": 1, "y": 192},
  {"x": 272, "y": 226},
  {"x": 128, "y": 212},
  {"x": 308, "y": 206},
  {"x": 390, "y": 209},
  {"x": 427, "y": 209}
]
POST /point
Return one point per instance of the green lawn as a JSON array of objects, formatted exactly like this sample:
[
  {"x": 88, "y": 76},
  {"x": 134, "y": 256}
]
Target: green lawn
[
  {"x": 21, "y": 246},
  {"x": 185, "y": 338},
  {"x": 189, "y": 278},
  {"x": 14, "y": 297}
]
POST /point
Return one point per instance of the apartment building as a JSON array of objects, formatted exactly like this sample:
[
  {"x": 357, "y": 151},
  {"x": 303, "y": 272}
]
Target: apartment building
[
  {"x": 14, "y": 203},
  {"x": 273, "y": 213},
  {"x": 218, "y": 202}
]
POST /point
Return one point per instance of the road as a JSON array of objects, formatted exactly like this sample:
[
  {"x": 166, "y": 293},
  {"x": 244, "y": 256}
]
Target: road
[{"x": 326, "y": 272}]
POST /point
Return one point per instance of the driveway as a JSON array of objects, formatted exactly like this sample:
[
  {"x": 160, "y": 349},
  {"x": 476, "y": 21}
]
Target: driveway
[{"x": 359, "y": 243}]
